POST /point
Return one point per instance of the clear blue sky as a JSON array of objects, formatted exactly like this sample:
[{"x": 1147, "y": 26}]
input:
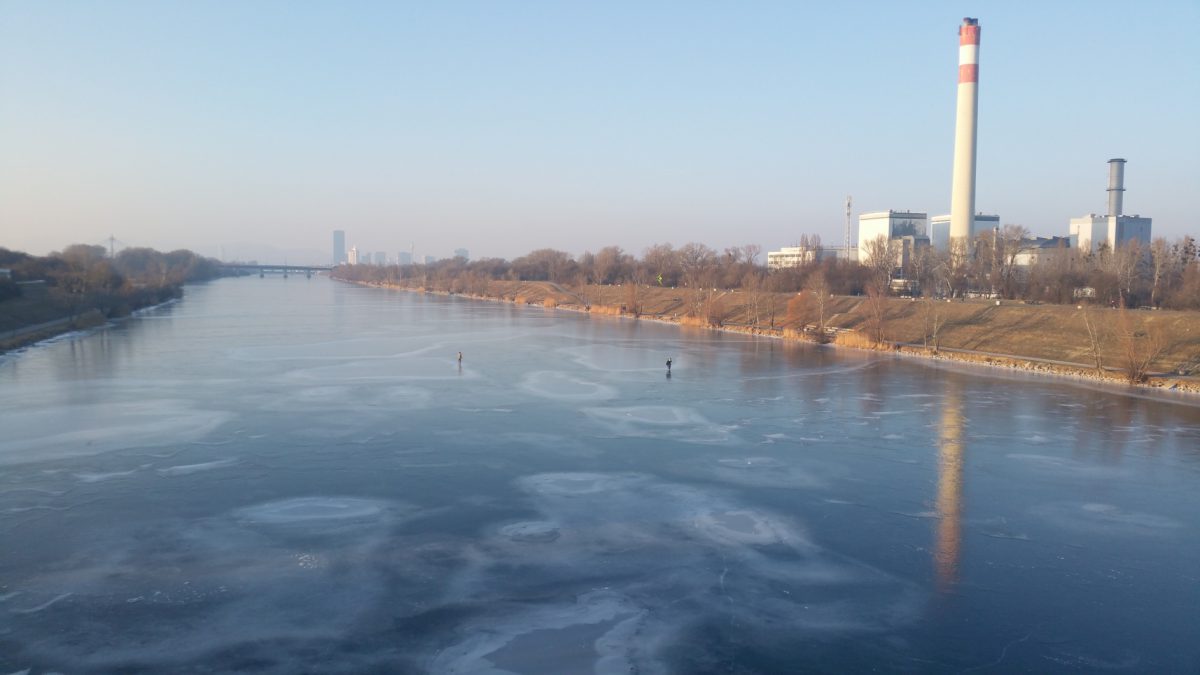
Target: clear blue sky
[{"x": 507, "y": 126}]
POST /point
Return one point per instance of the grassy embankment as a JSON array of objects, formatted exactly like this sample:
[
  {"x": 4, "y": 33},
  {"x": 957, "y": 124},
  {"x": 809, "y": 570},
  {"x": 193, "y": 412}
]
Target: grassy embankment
[
  {"x": 1046, "y": 338},
  {"x": 33, "y": 317}
]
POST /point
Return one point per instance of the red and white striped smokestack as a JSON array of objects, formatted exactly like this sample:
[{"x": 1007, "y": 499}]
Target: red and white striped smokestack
[{"x": 962, "y": 190}]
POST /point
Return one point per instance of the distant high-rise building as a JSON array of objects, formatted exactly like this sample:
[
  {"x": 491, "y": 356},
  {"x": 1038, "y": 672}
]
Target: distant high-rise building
[
  {"x": 429, "y": 260},
  {"x": 462, "y": 253},
  {"x": 380, "y": 258},
  {"x": 352, "y": 256},
  {"x": 339, "y": 247},
  {"x": 404, "y": 258}
]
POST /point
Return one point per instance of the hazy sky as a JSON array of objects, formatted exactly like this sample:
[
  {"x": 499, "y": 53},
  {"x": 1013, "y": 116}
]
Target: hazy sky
[{"x": 504, "y": 126}]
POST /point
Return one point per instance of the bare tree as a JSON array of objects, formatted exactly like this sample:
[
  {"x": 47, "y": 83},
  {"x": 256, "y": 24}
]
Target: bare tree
[
  {"x": 880, "y": 261},
  {"x": 1161, "y": 257},
  {"x": 818, "y": 285},
  {"x": 1094, "y": 337},
  {"x": 753, "y": 284},
  {"x": 1124, "y": 264},
  {"x": 662, "y": 262},
  {"x": 696, "y": 262},
  {"x": 876, "y": 308},
  {"x": 1139, "y": 348},
  {"x": 934, "y": 320},
  {"x": 609, "y": 264},
  {"x": 1013, "y": 240}
]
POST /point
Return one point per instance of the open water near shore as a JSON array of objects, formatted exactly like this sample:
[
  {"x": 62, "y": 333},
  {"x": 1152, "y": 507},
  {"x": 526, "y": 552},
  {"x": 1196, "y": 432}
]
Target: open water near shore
[{"x": 296, "y": 475}]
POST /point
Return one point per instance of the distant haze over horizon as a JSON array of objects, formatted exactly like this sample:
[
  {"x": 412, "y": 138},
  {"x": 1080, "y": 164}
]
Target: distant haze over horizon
[{"x": 256, "y": 129}]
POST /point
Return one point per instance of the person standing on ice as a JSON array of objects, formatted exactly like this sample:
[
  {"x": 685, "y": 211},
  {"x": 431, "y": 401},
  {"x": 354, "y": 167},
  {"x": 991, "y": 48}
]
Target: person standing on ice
[{"x": 668, "y": 365}]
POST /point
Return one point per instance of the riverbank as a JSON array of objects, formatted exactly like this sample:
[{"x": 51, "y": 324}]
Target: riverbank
[
  {"x": 1044, "y": 339},
  {"x": 27, "y": 335},
  {"x": 26, "y": 321}
]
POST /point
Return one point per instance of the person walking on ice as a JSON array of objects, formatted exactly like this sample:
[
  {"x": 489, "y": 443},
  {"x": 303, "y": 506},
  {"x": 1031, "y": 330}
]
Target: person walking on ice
[{"x": 668, "y": 365}]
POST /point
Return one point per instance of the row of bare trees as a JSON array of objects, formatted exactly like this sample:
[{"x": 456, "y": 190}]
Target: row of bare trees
[
  {"x": 83, "y": 277},
  {"x": 999, "y": 263},
  {"x": 1005, "y": 263}
]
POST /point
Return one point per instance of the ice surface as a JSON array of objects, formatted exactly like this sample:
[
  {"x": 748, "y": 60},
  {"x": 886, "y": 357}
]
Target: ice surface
[
  {"x": 668, "y": 422},
  {"x": 77, "y": 431},
  {"x": 563, "y": 386},
  {"x": 1105, "y": 519},
  {"x": 188, "y": 469},
  {"x": 298, "y": 478},
  {"x": 308, "y": 509}
]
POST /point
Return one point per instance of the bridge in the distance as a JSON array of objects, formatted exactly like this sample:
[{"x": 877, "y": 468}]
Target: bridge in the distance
[{"x": 264, "y": 269}]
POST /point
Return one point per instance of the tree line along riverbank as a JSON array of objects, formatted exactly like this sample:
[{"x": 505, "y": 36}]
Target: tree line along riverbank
[
  {"x": 1159, "y": 348},
  {"x": 84, "y": 286}
]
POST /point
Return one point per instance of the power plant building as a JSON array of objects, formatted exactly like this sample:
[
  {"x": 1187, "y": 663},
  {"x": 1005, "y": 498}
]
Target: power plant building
[
  {"x": 939, "y": 229},
  {"x": 906, "y": 228},
  {"x": 1113, "y": 229}
]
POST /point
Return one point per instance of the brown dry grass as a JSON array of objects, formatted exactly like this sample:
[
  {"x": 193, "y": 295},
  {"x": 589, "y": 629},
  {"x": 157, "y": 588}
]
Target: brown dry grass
[{"x": 1012, "y": 329}]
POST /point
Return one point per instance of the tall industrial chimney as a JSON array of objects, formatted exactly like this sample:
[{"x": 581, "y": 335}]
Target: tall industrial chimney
[
  {"x": 1116, "y": 185},
  {"x": 962, "y": 191}
]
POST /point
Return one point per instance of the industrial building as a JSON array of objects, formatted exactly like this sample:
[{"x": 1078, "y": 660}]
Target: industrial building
[
  {"x": 939, "y": 229},
  {"x": 909, "y": 231},
  {"x": 798, "y": 256},
  {"x": 1039, "y": 249},
  {"x": 792, "y": 256},
  {"x": 1114, "y": 228},
  {"x": 908, "y": 228}
]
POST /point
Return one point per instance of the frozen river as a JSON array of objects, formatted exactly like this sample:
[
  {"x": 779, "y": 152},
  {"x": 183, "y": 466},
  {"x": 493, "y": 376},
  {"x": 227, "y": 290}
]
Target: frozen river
[{"x": 296, "y": 475}]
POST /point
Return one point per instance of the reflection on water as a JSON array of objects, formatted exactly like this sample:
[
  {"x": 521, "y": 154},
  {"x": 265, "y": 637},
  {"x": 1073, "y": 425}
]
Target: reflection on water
[{"x": 949, "y": 487}]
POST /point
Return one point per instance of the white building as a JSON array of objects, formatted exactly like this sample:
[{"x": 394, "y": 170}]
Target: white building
[
  {"x": 1088, "y": 232},
  {"x": 1039, "y": 249},
  {"x": 798, "y": 256},
  {"x": 791, "y": 256},
  {"x": 890, "y": 225},
  {"x": 939, "y": 229},
  {"x": 352, "y": 255}
]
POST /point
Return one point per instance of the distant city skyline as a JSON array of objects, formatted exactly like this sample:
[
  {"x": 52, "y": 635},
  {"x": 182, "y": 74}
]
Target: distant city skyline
[{"x": 260, "y": 128}]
